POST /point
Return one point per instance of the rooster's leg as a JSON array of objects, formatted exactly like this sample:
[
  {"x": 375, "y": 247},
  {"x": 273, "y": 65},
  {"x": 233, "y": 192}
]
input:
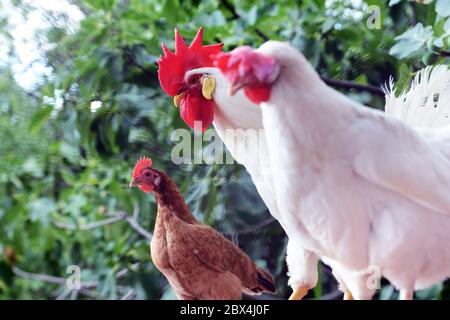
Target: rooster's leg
[
  {"x": 348, "y": 295},
  {"x": 299, "y": 293},
  {"x": 406, "y": 294}
]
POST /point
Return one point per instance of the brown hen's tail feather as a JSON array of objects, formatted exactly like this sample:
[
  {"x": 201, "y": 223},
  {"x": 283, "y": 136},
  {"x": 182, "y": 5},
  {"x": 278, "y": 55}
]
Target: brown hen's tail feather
[{"x": 266, "y": 281}]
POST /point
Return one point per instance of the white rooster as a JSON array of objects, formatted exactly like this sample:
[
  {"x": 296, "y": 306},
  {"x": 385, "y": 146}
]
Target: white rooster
[
  {"x": 364, "y": 191},
  {"x": 202, "y": 93}
]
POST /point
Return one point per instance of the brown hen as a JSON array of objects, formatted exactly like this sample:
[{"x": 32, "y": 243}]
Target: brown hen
[{"x": 198, "y": 262}]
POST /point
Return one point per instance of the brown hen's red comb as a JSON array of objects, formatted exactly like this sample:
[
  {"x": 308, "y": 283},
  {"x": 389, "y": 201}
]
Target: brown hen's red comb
[
  {"x": 173, "y": 66},
  {"x": 142, "y": 163}
]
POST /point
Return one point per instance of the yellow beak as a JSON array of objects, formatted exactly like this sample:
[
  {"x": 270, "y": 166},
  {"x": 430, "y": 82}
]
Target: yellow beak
[{"x": 177, "y": 99}]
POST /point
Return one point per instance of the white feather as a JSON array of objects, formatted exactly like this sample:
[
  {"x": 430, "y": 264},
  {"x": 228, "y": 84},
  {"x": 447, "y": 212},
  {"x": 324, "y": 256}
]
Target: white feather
[
  {"x": 300, "y": 263},
  {"x": 426, "y": 103}
]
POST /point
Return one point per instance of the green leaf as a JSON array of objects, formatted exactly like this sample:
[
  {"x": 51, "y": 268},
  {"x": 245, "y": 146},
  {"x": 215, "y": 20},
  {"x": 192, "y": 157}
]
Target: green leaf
[
  {"x": 394, "y": 2},
  {"x": 214, "y": 19},
  {"x": 101, "y": 4},
  {"x": 411, "y": 41},
  {"x": 70, "y": 152},
  {"x": 327, "y": 25},
  {"x": 387, "y": 292},
  {"x": 40, "y": 118},
  {"x": 212, "y": 202},
  {"x": 443, "y": 8},
  {"x": 403, "y": 79},
  {"x": 41, "y": 209},
  {"x": 318, "y": 289},
  {"x": 169, "y": 294},
  {"x": 447, "y": 26},
  {"x": 250, "y": 16},
  {"x": 32, "y": 167},
  {"x": 74, "y": 204},
  {"x": 431, "y": 293}
]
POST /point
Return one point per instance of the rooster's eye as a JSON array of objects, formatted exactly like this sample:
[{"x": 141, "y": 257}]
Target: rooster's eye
[
  {"x": 194, "y": 80},
  {"x": 148, "y": 174}
]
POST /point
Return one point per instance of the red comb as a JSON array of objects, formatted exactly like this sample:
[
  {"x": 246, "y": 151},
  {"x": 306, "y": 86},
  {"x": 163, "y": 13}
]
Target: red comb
[
  {"x": 142, "y": 163},
  {"x": 173, "y": 66}
]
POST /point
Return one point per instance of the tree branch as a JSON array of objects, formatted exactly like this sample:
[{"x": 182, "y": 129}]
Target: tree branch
[
  {"x": 234, "y": 236},
  {"x": 89, "y": 293},
  {"x": 261, "y": 297},
  {"x": 74, "y": 294},
  {"x": 344, "y": 84},
  {"x": 332, "y": 295},
  {"x": 49, "y": 278},
  {"x": 63, "y": 295},
  {"x": 89, "y": 226},
  {"x": 132, "y": 221},
  {"x": 444, "y": 53},
  {"x": 231, "y": 9},
  {"x": 253, "y": 228},
  {"x": 85, "y": 287},
  {"x": 235, "y": 15},
  {"x": 129, "y": 295},
  {"x": 136, "y": 226},
  {"x": 261, "y": 34}
]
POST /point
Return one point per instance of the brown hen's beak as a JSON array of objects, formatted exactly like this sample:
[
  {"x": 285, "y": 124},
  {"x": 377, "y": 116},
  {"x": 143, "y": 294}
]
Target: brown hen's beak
[{"x": 133, "y": 183}]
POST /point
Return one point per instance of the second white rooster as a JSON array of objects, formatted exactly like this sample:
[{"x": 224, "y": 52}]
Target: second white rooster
[{"x": 364, "y": 191}]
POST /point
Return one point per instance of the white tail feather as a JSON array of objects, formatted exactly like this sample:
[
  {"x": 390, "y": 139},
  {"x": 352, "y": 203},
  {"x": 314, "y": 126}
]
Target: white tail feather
[{"x": 426, "y": 103}]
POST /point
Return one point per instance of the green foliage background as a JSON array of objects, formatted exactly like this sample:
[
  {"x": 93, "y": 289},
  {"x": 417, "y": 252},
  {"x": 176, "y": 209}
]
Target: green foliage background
[{"x": 63, "y": 166}]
